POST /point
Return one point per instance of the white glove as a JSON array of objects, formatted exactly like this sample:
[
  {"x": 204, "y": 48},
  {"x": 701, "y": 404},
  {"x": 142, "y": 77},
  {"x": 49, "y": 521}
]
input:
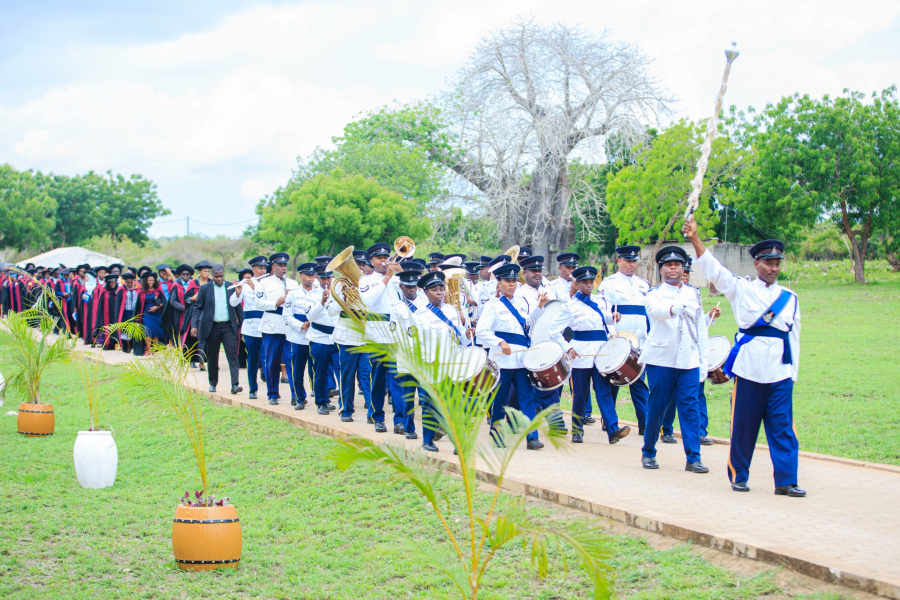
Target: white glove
[{"x": 676, "y": 309}]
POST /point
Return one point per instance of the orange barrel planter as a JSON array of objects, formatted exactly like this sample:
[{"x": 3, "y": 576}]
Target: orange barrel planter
[
  {"x": 206, "y": 538},
  {"x": 36, "y": 420}
]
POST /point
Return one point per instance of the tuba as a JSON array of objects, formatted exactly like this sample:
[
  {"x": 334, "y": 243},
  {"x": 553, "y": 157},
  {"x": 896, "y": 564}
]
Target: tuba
[
  {"x": 345, "y": 286},
  {"x": 404, "y": 247}
]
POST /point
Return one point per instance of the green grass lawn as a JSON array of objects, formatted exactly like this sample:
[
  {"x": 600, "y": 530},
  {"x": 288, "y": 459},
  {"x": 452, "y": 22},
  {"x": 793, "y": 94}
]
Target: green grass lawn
[
  {"x": 847, "y": 398},
  {"x": 309, "y": 531}
]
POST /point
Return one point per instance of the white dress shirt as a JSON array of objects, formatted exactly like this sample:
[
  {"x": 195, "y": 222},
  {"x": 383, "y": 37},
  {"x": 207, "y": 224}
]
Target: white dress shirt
[
  {"x": 531, "y": 294},
  {"x": 378, "y": 298},
  {"x": 295, "y": 306},
  {"x": 250, "y": 326},
  {"x": 317, "y": 314},
  {"x": 346, "y": 331},
  {"x": 438, "y": 341},
  {"x": 581, "y": 317},
  {"x": 268, "y": 291},
  {"x": 759, "y": 359},
  {"x": 670, "y": 343},
  {"x": 561, "y": 288},
  {"x": 496, "y": 317},
  {"x": 619, "y": 289}
]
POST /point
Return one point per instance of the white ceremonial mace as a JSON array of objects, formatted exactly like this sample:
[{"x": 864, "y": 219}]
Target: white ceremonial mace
[{"x": 711, "y": 130}]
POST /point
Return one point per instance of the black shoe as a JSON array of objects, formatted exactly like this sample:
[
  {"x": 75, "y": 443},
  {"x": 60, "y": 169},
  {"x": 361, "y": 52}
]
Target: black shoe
[
  {"x": 669, "y": 439},
  {"x": 438, "y": 435},
  {"x": 370, "y": 421},
  {"x": 293, "y": 400},
  {"x": 622, "y": 432},
  {"x": 332, "y": 392},
  {"x": 431, "y": 447},
  {"x": 253, "y": 395},
  {"x": 577, "y": 438},
  {"x": 455, "y": 453},
  {"x": 590, "y": 420},
  {"x": 380, "y": 427},
  {"x": 399, "y": 429},
  {"x": 649, "y": 463},
  {"x": 602, "y": 425},
  {"x": 412, "y": 435},
  {"x": 696, "y": 467},
  {"x": 322, "y": 410},
  {"x": 534, "y": 445},
  {"x": 740, "y": 486},
  {"x": 346, "y": 419},
  {"x": 284, "y": 380},
  {"x": 212, "y": 389},
  {"x": 300, "y": 405},
  {"x": 262, "y": 376},
  {"x": 641, "y": 431},
  {"x": 273, "y": 401},
  {"x": 236, "y": 389},
  {"x": 193, "y": 365},
  {"x": 790, "y": 490},
  {"x": 705, "y": 441},
  {"x": 330, "y": 406}
]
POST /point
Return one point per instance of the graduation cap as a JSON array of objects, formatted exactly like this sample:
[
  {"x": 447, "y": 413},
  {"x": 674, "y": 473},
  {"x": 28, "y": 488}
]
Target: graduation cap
[
  {"x": 767, "y": 249},
  {"x": 670, "y": 253},
  {"x": 532, "y": 263},
  {"x": 379, "y": 249},
  {"x": 628, "y": 252},
  {"x": 586, "y": 272},
  {"x": 182, "y": 268},
  {"x": 507, "y": 271},
  {"x": 429, "y": 280},
  {"x": 410, "y": 277},
  {"x": 161, "y": 267},
  {"x": 244, "y": 271},
  {"x": 568, "y": 259},
  {"x": 111, "y": 278},
  {"x": 203, "y": 264},
  {"x": 116, "y": 266},
  {"x": 128, "y": 275}
]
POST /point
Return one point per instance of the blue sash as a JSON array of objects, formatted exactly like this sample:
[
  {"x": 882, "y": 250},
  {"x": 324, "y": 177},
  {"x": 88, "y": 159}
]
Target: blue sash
[
  {"x": 514, "y": 338},
  {"x": 587, "y": 300},
  {"x": 374, "y": 316},
  {"x": 440, "y": 315},
  {"x": 411, "y": 306},
  {"x": 277, "y": 311},
  {"x": 763, "y": 328},
  {"x": 328, "y": 329},
  {"x": 591, "y": 335},
  {"x": 253, "y": 314},
  {"x": 634, "y": 309},
  {"x": 301, "y": 318}
]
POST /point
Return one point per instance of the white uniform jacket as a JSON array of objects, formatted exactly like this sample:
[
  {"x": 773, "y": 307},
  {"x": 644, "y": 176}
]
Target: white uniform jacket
[
  {"x": 346, "y": 330},
  {"x": 401, "y": 322},
  {"x": 378, "y": 299},
  {"x": 252, "y": 315},
  {"x": 496, "y": 317},
  {"x": 268, "y": 291},
  {"x": 485, "y": 291},
  {"x": 670, "y": 343},
  {"x": 321, "y": 323},
  {"x": 581, "y": 317},
  {"x": 622, "y": 290},
  {"x": 561, "y": 288},
  {"x": 295, "y": 307},
  {"x": 759, "y": 359},
  {"x": 438, "y": 342},
  {"x": 531, "y": 294}
]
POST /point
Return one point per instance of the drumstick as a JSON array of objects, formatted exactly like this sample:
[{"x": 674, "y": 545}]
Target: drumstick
[
  {"x": 593, "y": 355},
  {"x": 512, "y": 351},
  {"x": 615, "y": 306},
  {"x": 711, "y": 321}
]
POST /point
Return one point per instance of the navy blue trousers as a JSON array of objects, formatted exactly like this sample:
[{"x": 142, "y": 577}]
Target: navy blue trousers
[
  {"x": 582, "y": 379},
  {"x": 349, "y": 366},
  {"x": 771, "y": 404},
  {"x": 301, "y": 362},
  {"x": 324, "y": 358},
  {"x": 273, "y": 346},
  {"x": 639, "y": 395},
  {"x": 253, "y": 345},
  {"x": 364, "y": 379},
  {"x": 669, "y": 418},
  {"x": 668, "y": 385},
  {"x": 550, "y": 398},
  {"x": 514, "y": 379},
  {"x": 287, "y": 359},
  {"x": 406, "y": 389}
]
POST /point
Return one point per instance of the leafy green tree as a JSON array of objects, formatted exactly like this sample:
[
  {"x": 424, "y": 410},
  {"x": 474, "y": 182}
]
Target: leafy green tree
[
  {"x": 835, "y": 157},
  {"x": 646, "y": 199},
  {"x": 27, "y": 212},
  {"x": 332, "y": 211}
]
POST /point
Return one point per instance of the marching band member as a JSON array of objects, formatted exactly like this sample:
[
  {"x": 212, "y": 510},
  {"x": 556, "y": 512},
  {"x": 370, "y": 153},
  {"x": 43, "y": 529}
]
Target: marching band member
[
  {"x": 378, "y": 291},
  {"x": 271, "y": 294},
  {"x": 434, "y": 261},
  {"x": 323, "y": 350},
  {"x": 246, "y": 294},
  {"x": 503, "y": 329},
  {"x": 627, "y": 293},
  {"x": 764, "y": 361},
  {"x": 588, "y": 316},
  {"x": 562, "y": 285},
  {"x": 675, "y": 355},
  {"x": 353, "y": 366},
  {"x": 296, "y": 306},
  {"x": 402, "y": 312}
]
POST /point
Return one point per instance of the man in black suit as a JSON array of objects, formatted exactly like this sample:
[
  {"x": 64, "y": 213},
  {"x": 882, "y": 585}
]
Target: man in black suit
[{"x": 216, "y": 322}]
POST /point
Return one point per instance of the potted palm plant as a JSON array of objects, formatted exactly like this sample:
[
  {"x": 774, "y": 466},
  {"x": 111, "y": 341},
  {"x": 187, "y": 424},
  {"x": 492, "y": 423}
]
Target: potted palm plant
[
  {"x": 206, "y": 532},
  {"x": 458, "y": 410}
]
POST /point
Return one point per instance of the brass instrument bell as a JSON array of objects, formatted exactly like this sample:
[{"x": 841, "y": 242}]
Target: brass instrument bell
[
  {"x": 345, "y": 287},
  {"x": 404, "y": 247}
]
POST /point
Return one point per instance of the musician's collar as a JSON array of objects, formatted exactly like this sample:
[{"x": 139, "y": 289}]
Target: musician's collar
[{"x": 673, "y": 287}]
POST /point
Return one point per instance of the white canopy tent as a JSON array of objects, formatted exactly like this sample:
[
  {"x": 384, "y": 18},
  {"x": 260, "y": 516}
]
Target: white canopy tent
[{"x": 70, "y": 257}]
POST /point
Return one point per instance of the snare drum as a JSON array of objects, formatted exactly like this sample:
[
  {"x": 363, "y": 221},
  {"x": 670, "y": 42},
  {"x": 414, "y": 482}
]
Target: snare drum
[
  {"x": 620, "y": 363},
  {"x": 548, "y": 366},
  {"x": 472, "y": 368},
  {"x": 540, "y": 332},
  {"x": 719, "y": 348}
]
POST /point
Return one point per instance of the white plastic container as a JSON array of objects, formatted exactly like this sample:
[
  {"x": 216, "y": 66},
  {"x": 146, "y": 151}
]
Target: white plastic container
[{"x": 96, "y": 459}]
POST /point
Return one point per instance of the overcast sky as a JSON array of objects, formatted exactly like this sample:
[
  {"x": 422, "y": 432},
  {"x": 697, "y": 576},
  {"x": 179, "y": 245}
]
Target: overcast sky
[{"x": 214, "y": 101}]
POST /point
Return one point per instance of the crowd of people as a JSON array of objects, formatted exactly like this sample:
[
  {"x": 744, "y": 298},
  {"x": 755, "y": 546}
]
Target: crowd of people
[{"x": 481, "y": 313}]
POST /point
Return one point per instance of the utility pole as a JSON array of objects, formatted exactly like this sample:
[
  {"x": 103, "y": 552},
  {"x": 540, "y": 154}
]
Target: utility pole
[{"x": 188, "y": 221}]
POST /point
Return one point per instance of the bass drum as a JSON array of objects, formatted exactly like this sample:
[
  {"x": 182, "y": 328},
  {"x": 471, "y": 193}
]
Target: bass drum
[
  {"x": 719, "y": 349},
  {"x": 620, "y": 362},
  {"x": 540, "y": 332},
  {"x": 472, "y": 368},
  {"x": 548, "y": 366}
]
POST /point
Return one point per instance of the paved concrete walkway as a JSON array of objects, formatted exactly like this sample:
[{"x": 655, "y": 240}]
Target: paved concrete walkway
[{"x": 846, "y": 531}]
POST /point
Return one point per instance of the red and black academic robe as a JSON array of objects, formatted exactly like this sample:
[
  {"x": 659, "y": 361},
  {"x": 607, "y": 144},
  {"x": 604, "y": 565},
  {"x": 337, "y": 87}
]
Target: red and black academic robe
[
  {"x": 17, "y": 300},
  {"x": 104, "y": 311},
  {"x": 180, "y": 312},
  {"x": 62, "y": 311}
]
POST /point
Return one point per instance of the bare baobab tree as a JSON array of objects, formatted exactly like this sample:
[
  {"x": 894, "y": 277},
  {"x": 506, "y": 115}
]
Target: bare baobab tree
[{"x": 529, "y": 100}]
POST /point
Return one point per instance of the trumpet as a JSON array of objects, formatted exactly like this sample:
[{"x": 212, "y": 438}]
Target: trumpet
[
  {"x": 345, "y": 287},
  {"x": 404, "y": 247}
]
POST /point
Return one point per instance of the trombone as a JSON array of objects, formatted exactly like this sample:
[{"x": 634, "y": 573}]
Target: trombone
[{"x": 404, "y": 247}]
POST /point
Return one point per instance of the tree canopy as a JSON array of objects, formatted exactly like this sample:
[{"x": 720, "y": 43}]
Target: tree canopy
[{"x": 27, "y": 212}]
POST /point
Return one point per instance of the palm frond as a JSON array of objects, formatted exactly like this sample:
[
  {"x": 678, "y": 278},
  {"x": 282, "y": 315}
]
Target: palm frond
[{"x": 31, "y": 350}]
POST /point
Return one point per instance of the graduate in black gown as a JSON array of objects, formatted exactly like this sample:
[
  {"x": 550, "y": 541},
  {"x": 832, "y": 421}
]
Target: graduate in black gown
[{"x": 104, "y": 311}]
